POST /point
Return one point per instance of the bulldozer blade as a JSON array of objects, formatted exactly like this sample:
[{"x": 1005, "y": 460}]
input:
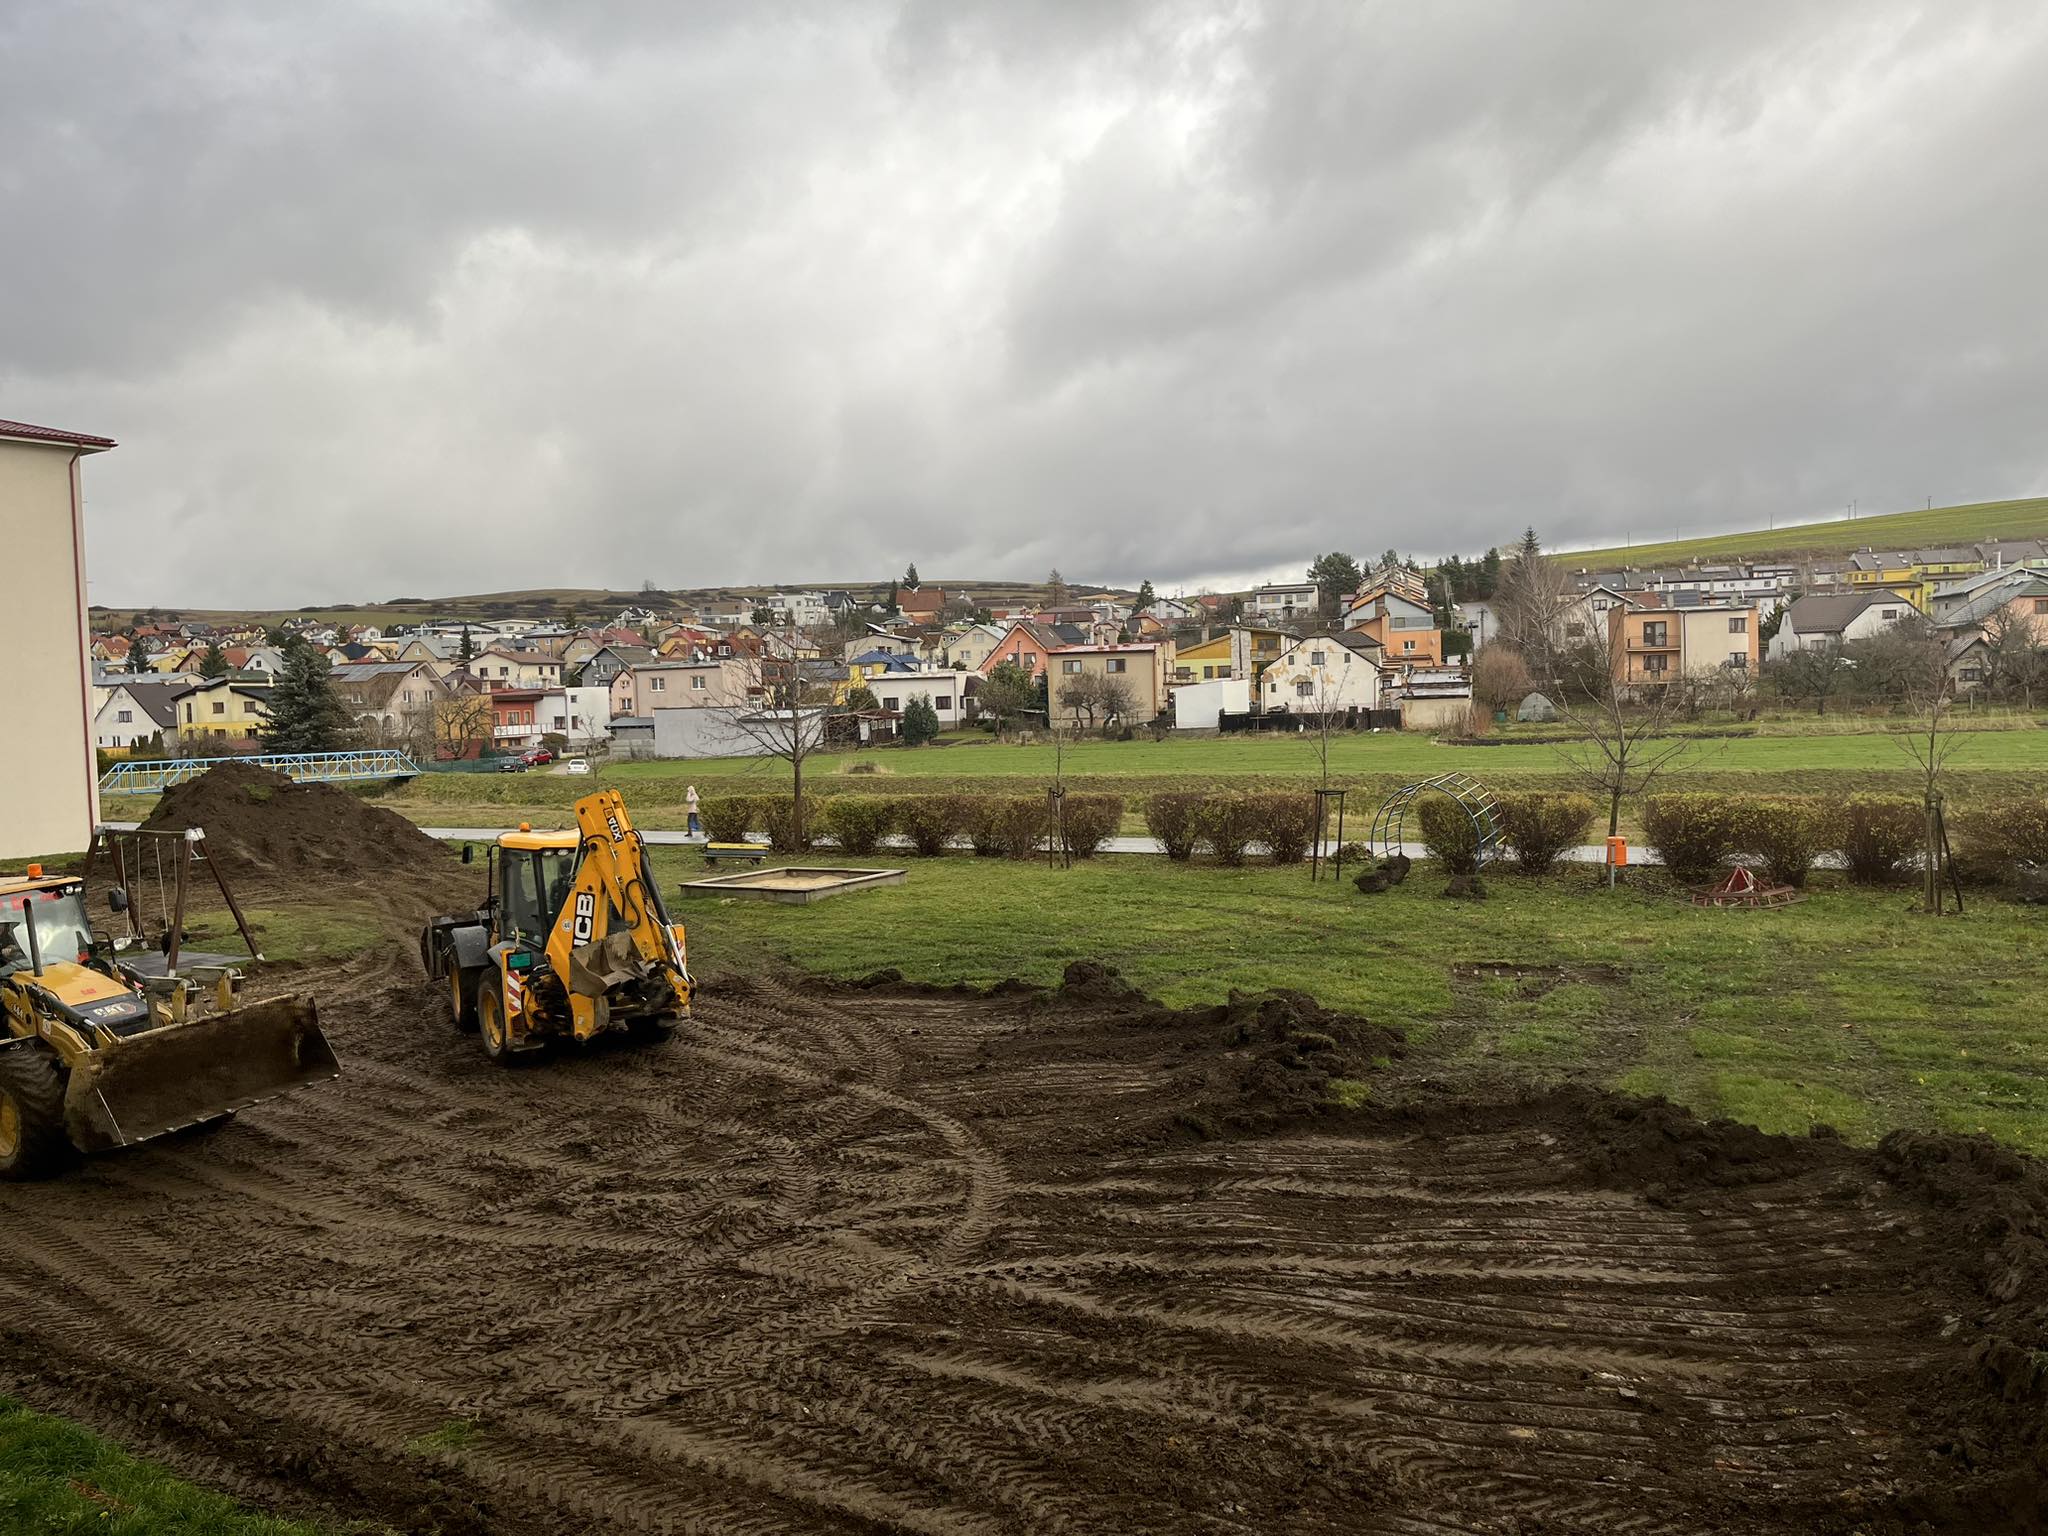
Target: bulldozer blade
[{"x": 181, "y": 1075}]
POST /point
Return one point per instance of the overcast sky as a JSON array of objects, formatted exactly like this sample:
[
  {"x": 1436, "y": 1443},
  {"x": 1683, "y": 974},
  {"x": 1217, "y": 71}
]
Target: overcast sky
[{"x": 407, "y": 298}]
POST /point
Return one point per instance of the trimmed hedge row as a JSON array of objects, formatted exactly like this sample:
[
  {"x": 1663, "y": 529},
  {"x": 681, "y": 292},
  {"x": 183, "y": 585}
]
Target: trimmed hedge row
[{"x": 1880, "y": 837}]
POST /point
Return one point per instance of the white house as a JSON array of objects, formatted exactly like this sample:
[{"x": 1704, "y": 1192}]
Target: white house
[
  {"x": 134, "y": 710},
  {"x": 946, "y": 689},
  {"x": 1282, "y": 600},
  {"x": 1323, "y": 673},
  {"x": 499, "y": 667},
  {"x": 583, "y": 715},
  {"x": 1814, "y": 622}
]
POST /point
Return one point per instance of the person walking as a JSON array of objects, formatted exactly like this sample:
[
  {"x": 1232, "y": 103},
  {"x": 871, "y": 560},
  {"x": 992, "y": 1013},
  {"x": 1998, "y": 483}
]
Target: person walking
[{"x": 690, "y": 803}]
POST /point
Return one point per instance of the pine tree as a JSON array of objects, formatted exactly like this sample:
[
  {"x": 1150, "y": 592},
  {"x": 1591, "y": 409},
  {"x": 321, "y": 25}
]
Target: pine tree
[
  {"x": 305, "y": 714},
  {"x": 920, "y": 721},
  {"x": 1055, "y": 589},
  {"x": 1146, "y": 596},
  {"x": 910, "y": 581},
  {"x": 466, "y": 651},
  {"x": 213, "y": 662},
  {"x": 895, "y": 595}
]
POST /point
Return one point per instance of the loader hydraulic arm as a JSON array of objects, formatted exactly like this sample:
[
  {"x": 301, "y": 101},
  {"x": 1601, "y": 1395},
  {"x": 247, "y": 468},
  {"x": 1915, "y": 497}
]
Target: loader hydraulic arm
[{"x": 613, "y": 897}]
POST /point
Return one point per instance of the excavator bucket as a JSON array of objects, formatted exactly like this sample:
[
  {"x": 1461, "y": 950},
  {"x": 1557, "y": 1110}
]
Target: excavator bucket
[{"x": 182, "y": 1074}]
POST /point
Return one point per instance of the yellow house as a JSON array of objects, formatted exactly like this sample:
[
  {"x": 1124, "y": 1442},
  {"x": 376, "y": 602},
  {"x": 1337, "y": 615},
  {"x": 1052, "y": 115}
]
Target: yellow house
[
  {"x": 1243, "y": 650},
  {"x": 1204, "y": 662},
  {"x": 224, "y": 707}
]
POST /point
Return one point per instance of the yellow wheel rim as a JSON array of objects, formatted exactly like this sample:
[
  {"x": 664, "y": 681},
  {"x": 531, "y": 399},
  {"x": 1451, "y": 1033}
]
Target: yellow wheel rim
[
  {"x": 493, "y": 1021},
  {"x": 10, "y": 1126}
]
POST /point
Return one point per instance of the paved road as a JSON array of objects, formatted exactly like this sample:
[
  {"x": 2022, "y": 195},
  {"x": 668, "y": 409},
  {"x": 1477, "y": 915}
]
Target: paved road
[{"x": 1587, "y": 853}]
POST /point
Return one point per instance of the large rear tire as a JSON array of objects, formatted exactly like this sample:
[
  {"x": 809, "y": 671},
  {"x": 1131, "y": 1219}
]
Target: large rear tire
[
  {"x": 462, "y": 990},
  {"x": 33, "y": 1141},
  {"x": 490, "y": 1020}
]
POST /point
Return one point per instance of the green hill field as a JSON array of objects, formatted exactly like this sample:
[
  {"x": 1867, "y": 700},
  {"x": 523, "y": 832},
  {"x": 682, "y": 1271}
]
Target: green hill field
[{"x": 2026, "y": 518}]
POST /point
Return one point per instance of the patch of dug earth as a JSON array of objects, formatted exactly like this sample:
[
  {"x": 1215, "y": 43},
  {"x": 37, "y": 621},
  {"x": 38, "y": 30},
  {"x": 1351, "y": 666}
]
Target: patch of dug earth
[
  {"x": 1252, "y": 1064},
  {"x": 845, "y": 1261},
  {"x": 262, "y": 826}
]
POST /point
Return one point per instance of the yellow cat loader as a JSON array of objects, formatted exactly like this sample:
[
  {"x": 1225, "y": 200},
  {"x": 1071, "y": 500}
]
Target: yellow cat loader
[
  {"x": 572, "y": 940},
  {"x": 102, "y": 1048}
]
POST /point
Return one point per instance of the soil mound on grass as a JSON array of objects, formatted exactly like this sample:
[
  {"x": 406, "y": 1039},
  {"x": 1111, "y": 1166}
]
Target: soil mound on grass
[{"x": 260, "y": 824}]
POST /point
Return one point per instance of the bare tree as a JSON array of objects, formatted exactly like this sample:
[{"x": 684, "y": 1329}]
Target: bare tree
[
  {"x": 1816, "y": 672},
  {"x": 1092, "y": 695},
  {"x": 1621, "y": 750},
  {"x": 2016, "y": 661},
  {"x": 1930, "y": 738},
  {"x": 1530, "y": 604},
  {"x": 781, "y": 715}
]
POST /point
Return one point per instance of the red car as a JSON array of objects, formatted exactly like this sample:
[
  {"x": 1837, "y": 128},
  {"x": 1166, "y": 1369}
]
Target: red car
[{"x": 536, "y": 757}]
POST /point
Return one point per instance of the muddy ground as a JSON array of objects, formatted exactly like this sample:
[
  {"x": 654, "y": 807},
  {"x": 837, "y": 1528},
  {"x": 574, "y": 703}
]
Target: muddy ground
[{"x": 870, "y": 1259}]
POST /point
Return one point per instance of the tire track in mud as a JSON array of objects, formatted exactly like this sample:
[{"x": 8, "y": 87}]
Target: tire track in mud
[{"x": 816, "y": 1266}]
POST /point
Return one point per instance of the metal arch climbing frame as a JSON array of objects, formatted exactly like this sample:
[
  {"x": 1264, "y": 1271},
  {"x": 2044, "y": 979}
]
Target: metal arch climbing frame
[{"x": 1474, "y": 798}]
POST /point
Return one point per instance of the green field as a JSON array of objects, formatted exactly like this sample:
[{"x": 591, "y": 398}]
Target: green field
[
  {"x": 1852, "y": 756},
  {"x": 56, "y": 1478},
  {"x": 2025, "y": 518},
  {"x": 1848, "y": 1009}
]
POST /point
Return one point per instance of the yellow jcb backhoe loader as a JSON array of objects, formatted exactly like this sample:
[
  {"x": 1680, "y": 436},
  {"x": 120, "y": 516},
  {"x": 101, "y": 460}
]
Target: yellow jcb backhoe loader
[
  {"x": 102, "y": 1047},
  {"x": 572, "y": 939}
]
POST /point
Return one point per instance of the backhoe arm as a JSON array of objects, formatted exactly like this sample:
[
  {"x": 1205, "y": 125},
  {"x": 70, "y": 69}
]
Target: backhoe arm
[{"x": 613, "y": 927}]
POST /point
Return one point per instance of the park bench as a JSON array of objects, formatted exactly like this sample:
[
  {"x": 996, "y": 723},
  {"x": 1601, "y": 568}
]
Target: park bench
[{"x": 735, "y": 853}]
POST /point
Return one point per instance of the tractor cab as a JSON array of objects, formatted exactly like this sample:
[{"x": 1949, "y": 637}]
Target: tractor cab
[
  {"x": 42, "y": 923},
  {"x": 535, "y": 871}
]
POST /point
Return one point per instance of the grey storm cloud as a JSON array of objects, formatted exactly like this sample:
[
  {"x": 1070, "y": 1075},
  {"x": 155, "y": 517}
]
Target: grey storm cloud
[{"x": 421, "y": 299}]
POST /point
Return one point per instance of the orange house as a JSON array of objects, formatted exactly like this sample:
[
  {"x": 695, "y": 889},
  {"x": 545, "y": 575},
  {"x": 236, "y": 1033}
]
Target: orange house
[
  {"x": 1405, "y": 629},
  {"x": 1025, "y": 643}
]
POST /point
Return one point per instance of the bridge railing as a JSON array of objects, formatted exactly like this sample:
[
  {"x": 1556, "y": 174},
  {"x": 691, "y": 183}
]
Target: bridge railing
[{"x": 304, "y": 767}]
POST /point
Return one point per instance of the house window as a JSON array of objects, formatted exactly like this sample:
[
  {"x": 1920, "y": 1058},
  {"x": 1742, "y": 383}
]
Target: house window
[
  {"x": 696, "y": 684},
  {"x": 1116, "y": 663},
  {"x": 1304, "y": 688},
  {"x": 124, "y": 716},
  {"x": 1739, "y": 626},
  {"x": 657, "y": 685},
  {"x": 1315, "y": 658},
  {"x": 1574, "y": 631},
  {"x": 188, "y": 714},
  {"x": 888, "y": 701},
  {"x": 1654, "y": 664},
  {"x": 1407, "y": 645},
  {"x": 1887, "y": 613},
  {"x": 1738, "y": 658},
  {"x": 1653, "y": 634},
  {"x": 220, "y": 709},
  {"x": 1208, "y": 672},
  {"x": 1973, "y": 674},
  {"x": 1071, "y": 668},
  {"x": 2041, "y": 605}
]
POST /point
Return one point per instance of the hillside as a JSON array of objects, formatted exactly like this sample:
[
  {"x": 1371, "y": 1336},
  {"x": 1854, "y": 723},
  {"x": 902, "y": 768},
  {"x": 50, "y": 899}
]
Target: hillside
[
  {"x": 2026, "y": 518},
  {"x": 586, "y": 604}
]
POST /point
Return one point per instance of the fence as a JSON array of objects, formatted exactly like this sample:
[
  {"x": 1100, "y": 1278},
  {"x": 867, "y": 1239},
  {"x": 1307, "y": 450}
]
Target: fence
[
  {"x": 368, "y": 764},
  {"x": 1297, "y": 720}
]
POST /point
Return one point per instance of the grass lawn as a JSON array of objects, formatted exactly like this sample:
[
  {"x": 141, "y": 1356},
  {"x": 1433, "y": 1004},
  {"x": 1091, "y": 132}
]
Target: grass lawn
[
  {"x": 1847, "y": 1009},
  {"x": 2023, "y": 519},
  {"x": 1854, "y": 756},
  {"x": 57, "y": 1478}
]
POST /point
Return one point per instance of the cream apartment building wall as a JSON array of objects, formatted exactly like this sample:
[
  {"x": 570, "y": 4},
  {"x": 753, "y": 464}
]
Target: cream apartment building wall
[{"x": 49, "y": 792}]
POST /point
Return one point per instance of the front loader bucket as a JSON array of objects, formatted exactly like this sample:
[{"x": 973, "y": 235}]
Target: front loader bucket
[{"x": 166, "y": 1079}]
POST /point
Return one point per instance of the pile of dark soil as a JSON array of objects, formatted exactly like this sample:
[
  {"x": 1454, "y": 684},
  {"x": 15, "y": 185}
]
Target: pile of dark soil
[
  {"x": 1254, "y": 1063},
  {"x": 261, "y": 824}
]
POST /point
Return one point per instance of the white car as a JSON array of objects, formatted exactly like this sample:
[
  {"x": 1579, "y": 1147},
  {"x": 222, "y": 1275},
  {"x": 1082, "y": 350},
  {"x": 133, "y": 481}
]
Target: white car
[{"x": 577, "y": 765}]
